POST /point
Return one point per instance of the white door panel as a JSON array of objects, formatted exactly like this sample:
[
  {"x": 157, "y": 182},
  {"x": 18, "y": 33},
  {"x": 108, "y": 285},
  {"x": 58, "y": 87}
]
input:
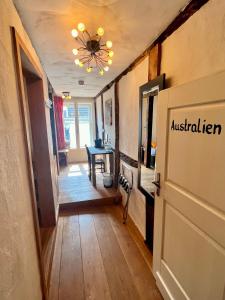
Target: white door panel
[
  {"x": 189, "y": 231},
  {"x": 193, "y": 156},
  {"x": 194, "y": 258}
]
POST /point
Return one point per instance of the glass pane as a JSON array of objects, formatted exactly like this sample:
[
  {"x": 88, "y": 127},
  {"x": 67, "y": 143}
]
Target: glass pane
[
  {"x": 69, "y": 125},
  {"x": 149, "y": 143},
  {"x": 153, "y": 135},
  {"x": 84, "y": 117}
]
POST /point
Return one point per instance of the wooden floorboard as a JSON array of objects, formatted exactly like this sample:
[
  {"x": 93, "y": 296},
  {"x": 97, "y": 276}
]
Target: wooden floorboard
[
  {"x": 136, "y": 236},
  {"x": 119, "y": 277},
  {"x": 71, "y": 285},
  {"x": 95, "y": 281},
  {"x": 98, "y": 257},
  {"x": 140, "y": 271}
]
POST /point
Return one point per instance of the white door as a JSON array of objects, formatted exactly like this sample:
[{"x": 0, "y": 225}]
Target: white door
[{"x": 189, "y": 230}]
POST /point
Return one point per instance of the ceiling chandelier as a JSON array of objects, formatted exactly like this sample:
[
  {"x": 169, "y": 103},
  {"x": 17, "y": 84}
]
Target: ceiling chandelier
[
  {"x": 93, "y": 53},
  {"x": 66, "y": 95}
]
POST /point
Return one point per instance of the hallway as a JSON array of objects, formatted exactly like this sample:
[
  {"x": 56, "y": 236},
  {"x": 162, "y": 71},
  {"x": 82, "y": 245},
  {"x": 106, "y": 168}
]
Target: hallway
[
  {"x": 97, "y": 257},
  {"x": 128, "y": 88}
]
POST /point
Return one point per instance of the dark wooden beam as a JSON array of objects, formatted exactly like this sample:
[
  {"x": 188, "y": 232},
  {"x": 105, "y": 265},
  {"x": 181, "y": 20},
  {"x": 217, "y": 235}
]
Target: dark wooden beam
[
  {"x": 117, "y": 133},
  {"x": 192, "y": 7},
  {"x": 183, "y": 16},
  {"x": 129, "y": 160},
  {"x": 154, "y": 61}
]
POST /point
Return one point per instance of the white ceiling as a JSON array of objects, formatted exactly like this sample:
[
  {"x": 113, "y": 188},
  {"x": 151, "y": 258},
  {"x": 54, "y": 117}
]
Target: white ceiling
[{"x": 132, "y": 25}]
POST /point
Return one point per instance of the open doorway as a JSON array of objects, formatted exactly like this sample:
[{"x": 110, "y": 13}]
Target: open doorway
[{"x": 33, "y": 118}]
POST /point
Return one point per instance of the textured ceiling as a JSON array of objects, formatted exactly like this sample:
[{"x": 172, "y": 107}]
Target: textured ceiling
[{"x": 132, "y": 25}]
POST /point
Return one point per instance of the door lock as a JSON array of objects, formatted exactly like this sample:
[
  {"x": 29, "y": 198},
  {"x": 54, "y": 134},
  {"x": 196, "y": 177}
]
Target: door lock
[{"x": 156, "y": 182}]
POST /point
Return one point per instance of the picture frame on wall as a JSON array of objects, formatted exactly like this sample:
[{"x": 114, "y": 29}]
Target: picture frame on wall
[{"x": 108, "y": 112}]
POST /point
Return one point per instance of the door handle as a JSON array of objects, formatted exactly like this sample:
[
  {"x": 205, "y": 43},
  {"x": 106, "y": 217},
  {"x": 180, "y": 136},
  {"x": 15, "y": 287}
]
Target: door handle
[{"x": 156, "y": 182}]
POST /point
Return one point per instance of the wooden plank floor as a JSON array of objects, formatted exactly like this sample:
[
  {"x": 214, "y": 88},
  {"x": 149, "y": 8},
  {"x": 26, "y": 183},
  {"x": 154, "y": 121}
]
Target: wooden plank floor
[
  {"x": 98, "y": 257},
  {"x": 75, "y": 186}
]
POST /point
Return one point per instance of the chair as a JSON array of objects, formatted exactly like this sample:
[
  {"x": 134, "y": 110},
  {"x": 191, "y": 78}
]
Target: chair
[{"x": 98, "y": 162}]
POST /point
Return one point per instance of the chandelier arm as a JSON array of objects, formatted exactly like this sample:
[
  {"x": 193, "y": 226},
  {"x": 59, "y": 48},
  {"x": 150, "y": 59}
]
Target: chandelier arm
[
  {"x": 101, "y": 64},
  {"x": 88, "y": 34},
  {"x": 106, "y": 50},
  {"x": 85, "y": 56},
  {"x": 86, "y": 59},
  {"x": 99, "y": 67},
  {"x": 96, "y": 62},
  {"x": 100, "y": 58},
  {"x": 81, "y": 41},
  {"x": 82, "y": 49}
]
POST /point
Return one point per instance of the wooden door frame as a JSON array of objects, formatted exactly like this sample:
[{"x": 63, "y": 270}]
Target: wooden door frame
[
  {"x": 18, "y": 44},
  {"x": 158, "y": 82}
]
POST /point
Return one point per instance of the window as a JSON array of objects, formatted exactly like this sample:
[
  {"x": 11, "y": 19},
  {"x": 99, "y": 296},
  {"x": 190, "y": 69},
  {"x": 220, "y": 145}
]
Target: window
[
  {"x": 69, "y": 125},
  {"x": 78, "y": 124},
  {"x": 85, "y": 123}
]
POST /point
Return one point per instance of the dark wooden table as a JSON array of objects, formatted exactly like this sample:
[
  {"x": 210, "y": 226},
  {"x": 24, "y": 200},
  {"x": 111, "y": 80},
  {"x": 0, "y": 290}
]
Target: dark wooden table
[{"x": 99, "y": 151}]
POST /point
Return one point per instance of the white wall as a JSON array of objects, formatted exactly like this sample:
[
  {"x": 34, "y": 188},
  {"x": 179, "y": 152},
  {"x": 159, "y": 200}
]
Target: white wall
[
  {"x": 129, "y": 108},
  {"x": 197, "y": 48},
  {"x": 129, "y": 118},
  {"x": 19, "y": 272}
]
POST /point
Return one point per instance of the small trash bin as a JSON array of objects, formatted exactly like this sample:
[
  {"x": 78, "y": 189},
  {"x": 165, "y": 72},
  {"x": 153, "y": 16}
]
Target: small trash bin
[{"x": 107, "y": 180}]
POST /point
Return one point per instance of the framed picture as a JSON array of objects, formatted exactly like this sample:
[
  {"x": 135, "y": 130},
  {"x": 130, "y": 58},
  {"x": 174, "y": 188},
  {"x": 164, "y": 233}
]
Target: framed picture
[{"x": 108, "y": 112}]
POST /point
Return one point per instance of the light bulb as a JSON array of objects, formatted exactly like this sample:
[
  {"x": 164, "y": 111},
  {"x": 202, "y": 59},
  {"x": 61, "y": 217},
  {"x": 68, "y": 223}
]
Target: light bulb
[
  {"x": 109, "y": 44},
  {"x": 81, "y": 64},
  {"x": 81, "y": 27},
  {"x": 74, "y": 33},
  {"x": 63, "y": 97},
  {"x": 89, "y": 69},
  {"x": 75, "y": 51},
  {"x": 106, "y": 68},
  {"x": 109, "y": 61},
  {"x": 77, "y": 61},
  {"x": 111, "y": 53},
  {"x": 101, "y": 72},
  {"x": 69, "y": 97},
  {"x": 100, "y": 31}
]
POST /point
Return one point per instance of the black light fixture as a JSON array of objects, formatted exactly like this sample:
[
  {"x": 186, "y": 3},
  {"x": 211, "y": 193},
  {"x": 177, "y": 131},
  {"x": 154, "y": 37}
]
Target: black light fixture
[
  {"x": 93, "y": 52},
  {"x": 66, "y": 95}
]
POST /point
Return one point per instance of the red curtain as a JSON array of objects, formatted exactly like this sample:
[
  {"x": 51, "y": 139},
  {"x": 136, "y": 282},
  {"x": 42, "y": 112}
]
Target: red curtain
[{"x": 58, "y": 105}]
